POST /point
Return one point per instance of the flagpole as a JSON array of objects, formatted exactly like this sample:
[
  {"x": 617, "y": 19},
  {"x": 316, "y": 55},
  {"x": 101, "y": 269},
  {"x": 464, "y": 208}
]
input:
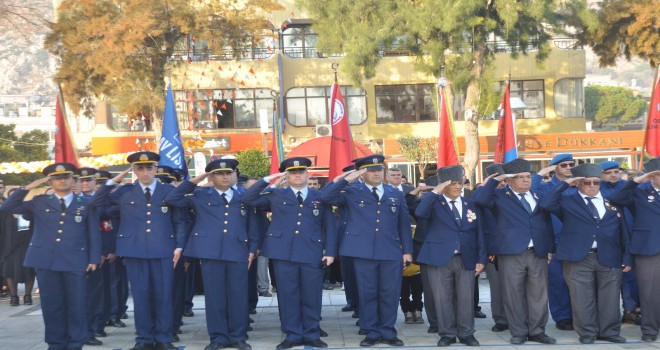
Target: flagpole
[{"x": 646, "y": 123}]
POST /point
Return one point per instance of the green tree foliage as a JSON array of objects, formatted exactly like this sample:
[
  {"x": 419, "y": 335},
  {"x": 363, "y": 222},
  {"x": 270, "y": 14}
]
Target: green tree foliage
[
  {"x": 420, "y": 150},
  {"x": 629, "y": 28},
  {"x": 120, "y": 49},
  {"x": 442, "y": 35},
  {"x": 253, "y": 162},
  {"x": 29, "y": 147},
  {"x": 609, "y": 105}
]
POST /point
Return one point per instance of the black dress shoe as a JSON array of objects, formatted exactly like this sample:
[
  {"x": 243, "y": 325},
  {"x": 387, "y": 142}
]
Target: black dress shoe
[
  {"x": 14, "y": 300},
  {"x": 357, "y": 323},
  {"x": 287, "y": 344},
  {"x": 317, "y": 343},
  {"x": 175, "y": 338},
  {"x": 587, "y": 339},
  {"x": 27, "y": 299},
  {"x": 432, "y": 329},
  {"x": 250, "y": 320},
  {"x": 500, "y": 327},
  {"x": 100, "y": 334},
  {"x": 241, "y": 345},
  {"x": 165, "y": 346},
  {"x": 253, "y": 312},
  {"x": 265, "y": 294},
  {"x": 323, "y": 333},
  {"x": 649, "y": 338},
  {"x": 124, "y": 316},
  {"x": 142, "y": 346},
  {"x": 214, "y": 346},
  {"x": 355, "y": 314},
  {"x": 446, "y": 341},
  {"x": 393, "y": 341},
  {"x": 542, "y": 338},
  {"x": 93, "y": 341},
  {"x": 178, "y": 331},
  {"x": 479, "y": 314},
  {"x": 631, "y": 317},
  {"x": 347, "y": 308},
  {"x": 361, "y": 332},
  {"x": 116, "y": 323},
  {"x": 470, "y": 340},
  {"x": 613, "y": 339},
  {"x": 565, "y": 325},
  {"x": 369, "y": 341},
  {"x": 188, "y": 313},
  {"x": 516, "y": 340}
]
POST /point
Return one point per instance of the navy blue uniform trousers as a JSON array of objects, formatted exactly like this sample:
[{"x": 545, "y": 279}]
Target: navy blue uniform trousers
[
  {"x": 299, "y": 296},
  {"x": 152, "y": 298},
  {"x": 379, "y": 288},
  {"x": 63, "y": 296}
]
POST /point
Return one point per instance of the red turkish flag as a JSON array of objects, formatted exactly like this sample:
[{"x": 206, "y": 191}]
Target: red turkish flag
[
  {"x": 447, "y": 154},
  {"x": 65, "y": 148},
  {"x": 652, "y": 137},
  {"x": 341, "y": 142}
]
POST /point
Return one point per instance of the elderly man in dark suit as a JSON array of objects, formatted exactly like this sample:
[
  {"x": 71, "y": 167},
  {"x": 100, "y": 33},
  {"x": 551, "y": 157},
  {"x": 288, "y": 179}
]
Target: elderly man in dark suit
[
  {"x": 523, "y": 244},
  {"x": 454, "y": 251},
  {"x": 642, "y": 196},
  {"x": 593, "y": 247}
]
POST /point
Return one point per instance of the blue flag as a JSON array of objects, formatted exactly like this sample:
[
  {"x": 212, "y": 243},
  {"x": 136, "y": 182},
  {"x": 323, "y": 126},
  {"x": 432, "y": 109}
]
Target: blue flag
[{"x": 171, "y": 147}]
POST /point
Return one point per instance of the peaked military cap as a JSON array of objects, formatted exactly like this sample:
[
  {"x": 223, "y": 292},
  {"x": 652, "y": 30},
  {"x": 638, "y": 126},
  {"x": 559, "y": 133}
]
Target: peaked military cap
[
  {"x": 652, "y": 165},
  {"x": 517, "y": 166},
  {"x": 164, "y": 170},
  {"x": 610, "y": 165},
  {"x": 372, "y": 162},
  {"x": 348, "y": 168},
  {"x": 57, "y": 170},
  {"x": 495, "y": 168},
  {"x": 103, "y": 175},
  {"x": 295, "y": 163},
  {"x": 219, "y": 165},
  {"x": 143, "y": 158},
  {"x": 564, "y": 157},
  {"x": 587, "y": 170},
  {"x": 450, "y": 173},
  {"x": 85, "y": 173}
]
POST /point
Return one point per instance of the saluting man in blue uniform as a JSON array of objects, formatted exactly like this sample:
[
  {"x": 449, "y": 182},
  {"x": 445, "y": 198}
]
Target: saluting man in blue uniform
[
  {"x": 642, "y": 196},
  {"x": 379, "y": 238},
  {"x": 151, "y": 237},
  {"x": 225, "y": 239},
  {"x": 594, "y": 249},
  {"x": 301, "y": 240},
  {"x": 66, "y": 243}
]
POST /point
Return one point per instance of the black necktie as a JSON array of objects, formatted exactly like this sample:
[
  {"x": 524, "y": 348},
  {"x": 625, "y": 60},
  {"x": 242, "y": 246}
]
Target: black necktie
[
  {"x": 457, "y": 215},
  {"x": 224, "y": 198},
  {"x": 373, "y": 191},
  {"x": 299, "y": 196},
  {"x": 147, "y": 194},
  {"x": 63, "y": 204},
  {"x": 592, "y": 208},
  {"x": 525, "y": 203}
]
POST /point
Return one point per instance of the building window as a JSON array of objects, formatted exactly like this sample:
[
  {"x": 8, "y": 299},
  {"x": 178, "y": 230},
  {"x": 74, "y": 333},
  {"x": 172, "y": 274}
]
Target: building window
[
  {"x": 569, "y": 98},
  {"x": 309, "y": 106},
  {"x": 405, "y": 103},
  {"x": 300, "y": 42},
  {"x": 246, "y": 47},
  {"x": 532, "y": 93},
  {"x": 222, "y": 109}
]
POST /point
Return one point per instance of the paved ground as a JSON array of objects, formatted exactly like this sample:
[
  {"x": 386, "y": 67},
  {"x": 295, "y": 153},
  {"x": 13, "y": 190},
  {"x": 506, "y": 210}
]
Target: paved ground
[{"x": 22, "y": 328}]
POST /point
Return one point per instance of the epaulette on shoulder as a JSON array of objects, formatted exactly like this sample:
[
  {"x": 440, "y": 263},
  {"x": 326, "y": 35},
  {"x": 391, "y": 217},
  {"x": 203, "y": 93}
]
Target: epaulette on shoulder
[
  {"x": 188, "y": 195},
  {"x": 342, "y": 191}
]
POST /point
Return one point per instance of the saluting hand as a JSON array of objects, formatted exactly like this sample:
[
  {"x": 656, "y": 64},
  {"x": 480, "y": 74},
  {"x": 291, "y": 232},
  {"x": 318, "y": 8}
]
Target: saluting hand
[
  {"x": 199, "y": 178},
  {"x": 120, "y": 177},
  {"x": 36, "y": 183},
  {"x": 641, "y": 178},
  {"x": 353, "y": 175},
  {"x": 573, "y": 180},
  {"x": 441, "y": 187}
]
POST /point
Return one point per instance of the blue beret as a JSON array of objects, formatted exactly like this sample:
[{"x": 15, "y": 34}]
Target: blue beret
[
  {"x": 610, "y": 165},
  {"x": 565, "y": 157}
]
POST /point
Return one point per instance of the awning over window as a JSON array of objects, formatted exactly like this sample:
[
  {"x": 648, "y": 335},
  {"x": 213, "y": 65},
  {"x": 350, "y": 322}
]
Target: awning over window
[{"x": 318, "y": 150}]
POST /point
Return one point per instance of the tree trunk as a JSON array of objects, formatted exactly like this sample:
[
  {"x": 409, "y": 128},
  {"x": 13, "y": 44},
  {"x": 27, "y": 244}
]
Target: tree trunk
[{"x": 471, "y": 157}]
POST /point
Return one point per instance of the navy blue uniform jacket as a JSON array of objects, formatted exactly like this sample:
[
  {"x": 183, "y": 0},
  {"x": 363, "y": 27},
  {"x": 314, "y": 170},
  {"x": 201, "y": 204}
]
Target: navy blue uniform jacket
[
  {"x": 378, "y": 230},
  {"x": 580, "y": 229},
  {"x": 297, "y": 233},
  {"x": 644, "y": 203}
]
